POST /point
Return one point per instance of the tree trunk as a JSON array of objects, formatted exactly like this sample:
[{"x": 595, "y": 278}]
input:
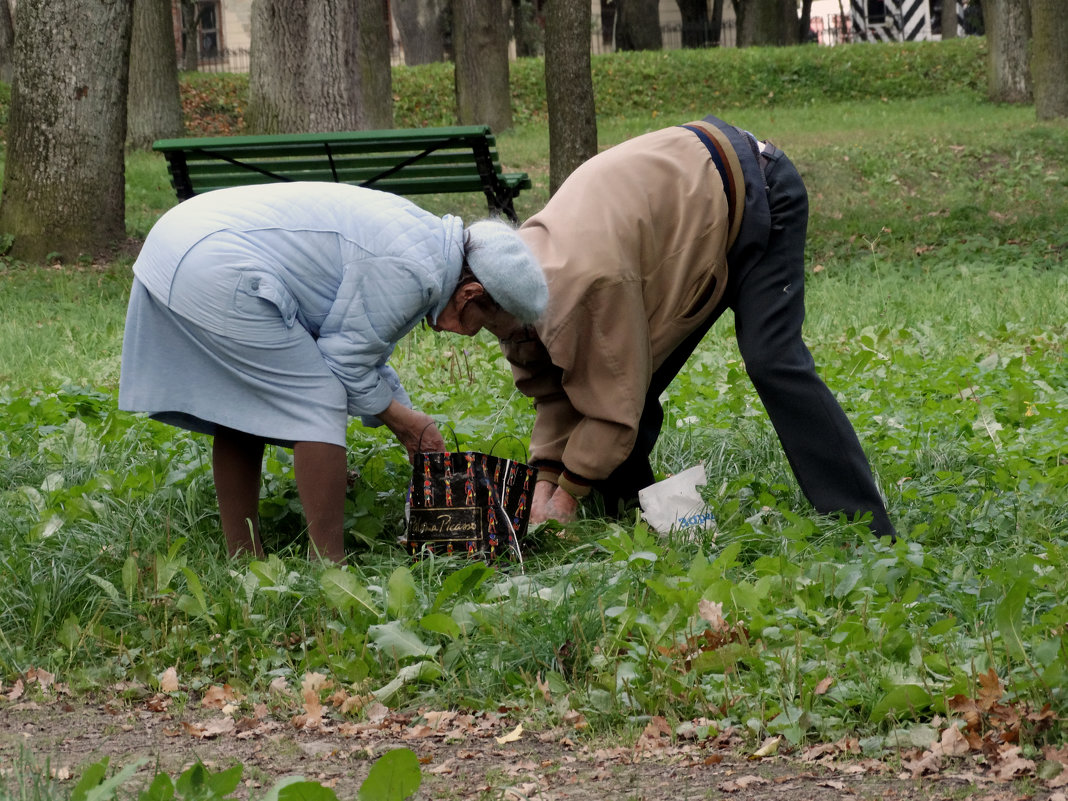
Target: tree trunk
[
  {"x": 525, "y": 17},
  {"x": 65, "y": 174},
  {"x": 190, "y": 13},
  {"x": 716, "y": 23},
  {"x": 373, "y": 87},
  {"x": 948, "y": 23},
  {"x": 276, "y": 66},
  {"x": 154, "y": 107},
  {"x": 1008, "y": 31},
  {"x": 804, "y": 24},
  {"x": 696, "y": 31},
  {"x": 638, "y": 25},
  {"x": 421, "y": 24},
  {"x": 608, "y": 22},
  {"x": 766, "y": 22},
  {"x": 7, "y": 42},
  {"x": 319, "y": 65},
  {"x": 1049, "y": 58},
  {"x": 480, "y": 42},
  {"x": 569, "y": 88}
]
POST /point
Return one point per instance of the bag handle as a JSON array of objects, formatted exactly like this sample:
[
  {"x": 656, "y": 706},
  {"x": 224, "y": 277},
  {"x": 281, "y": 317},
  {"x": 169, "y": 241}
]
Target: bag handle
[
  {"x": 452, "y": 431},
  {"x": 496, "y": 442}
]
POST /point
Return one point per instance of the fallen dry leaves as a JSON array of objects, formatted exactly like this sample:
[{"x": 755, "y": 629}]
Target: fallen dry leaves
[{"x": 981, "y": 743}]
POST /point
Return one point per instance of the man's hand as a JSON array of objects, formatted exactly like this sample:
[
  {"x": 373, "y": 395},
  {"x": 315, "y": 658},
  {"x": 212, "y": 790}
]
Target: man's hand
[
  {"x": 416, "y": 431},
  {"x": 550, "y": 502}
]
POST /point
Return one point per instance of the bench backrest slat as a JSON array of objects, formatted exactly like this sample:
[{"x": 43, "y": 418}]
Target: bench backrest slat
[{"x": 404, "y": 161}]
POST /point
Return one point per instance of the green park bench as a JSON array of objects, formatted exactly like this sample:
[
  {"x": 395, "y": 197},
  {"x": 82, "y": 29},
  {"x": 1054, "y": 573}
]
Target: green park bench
[{"x": 405, "y": 162}]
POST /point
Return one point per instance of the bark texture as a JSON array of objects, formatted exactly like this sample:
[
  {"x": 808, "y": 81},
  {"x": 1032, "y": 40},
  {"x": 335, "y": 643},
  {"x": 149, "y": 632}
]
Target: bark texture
[
  {"x": 949, "y": 19},
  {"x": 1049, "y": 58},
  {"x": 190, "y": 12},
  {"x": 480, "y": 42},
  {"x": 154, "y": 107},
  {"x": 1008, "y": 32},
  {"x": 7, "y": 42},
  {"x": 638, "y": 25},
  {"x": 64, "y": 187},
  {"x": 767, "y": 22},
  {"x": 569, "y": 88},
  {"x": 421, "y": 24},
  {"x": 319, "y": 65}
]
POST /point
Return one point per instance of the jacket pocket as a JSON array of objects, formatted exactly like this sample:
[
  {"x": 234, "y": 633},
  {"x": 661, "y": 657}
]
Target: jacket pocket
[{"x": 257, "y": 291}]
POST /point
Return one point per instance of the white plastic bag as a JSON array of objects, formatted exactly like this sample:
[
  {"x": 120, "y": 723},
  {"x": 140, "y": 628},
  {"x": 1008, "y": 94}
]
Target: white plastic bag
[{"x": 675, "y": 504}]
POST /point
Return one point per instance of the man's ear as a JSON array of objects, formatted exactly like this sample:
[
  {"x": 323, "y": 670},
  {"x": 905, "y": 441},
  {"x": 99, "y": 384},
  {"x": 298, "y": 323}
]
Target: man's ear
[{"x": 471, "y": 291}]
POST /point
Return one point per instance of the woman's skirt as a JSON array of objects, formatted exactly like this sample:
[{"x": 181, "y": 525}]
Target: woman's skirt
[{"x": 276, "y": 387}]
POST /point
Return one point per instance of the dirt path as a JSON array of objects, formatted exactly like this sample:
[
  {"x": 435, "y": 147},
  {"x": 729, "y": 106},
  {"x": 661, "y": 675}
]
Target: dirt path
[{"x": 469, "y": 756}]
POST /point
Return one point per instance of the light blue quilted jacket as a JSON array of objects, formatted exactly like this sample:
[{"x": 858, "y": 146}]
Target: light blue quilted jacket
[{"x": 356, "y": 267}]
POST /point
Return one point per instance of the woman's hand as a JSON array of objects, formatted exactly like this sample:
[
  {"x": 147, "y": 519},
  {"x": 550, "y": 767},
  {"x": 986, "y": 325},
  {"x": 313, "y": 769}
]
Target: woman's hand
[
  {"x": 550, "y": 502},
  {"x": 415, "y": 430}
]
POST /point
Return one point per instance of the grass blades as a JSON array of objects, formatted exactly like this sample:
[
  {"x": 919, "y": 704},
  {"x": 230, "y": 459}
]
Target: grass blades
[{"x": 937, "y": 309}]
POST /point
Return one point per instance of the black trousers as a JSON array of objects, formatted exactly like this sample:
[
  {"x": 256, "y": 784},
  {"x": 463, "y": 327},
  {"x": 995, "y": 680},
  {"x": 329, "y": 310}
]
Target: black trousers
[{"x": 768, "y": 301}]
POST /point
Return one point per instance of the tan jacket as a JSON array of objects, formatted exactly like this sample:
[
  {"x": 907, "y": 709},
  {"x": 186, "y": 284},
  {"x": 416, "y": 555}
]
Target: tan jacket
[{"x": 634, "y": 251}]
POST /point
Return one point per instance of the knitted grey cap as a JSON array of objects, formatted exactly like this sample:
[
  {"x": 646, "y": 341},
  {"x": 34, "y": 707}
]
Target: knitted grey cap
[{"x": 504, "y": 265}]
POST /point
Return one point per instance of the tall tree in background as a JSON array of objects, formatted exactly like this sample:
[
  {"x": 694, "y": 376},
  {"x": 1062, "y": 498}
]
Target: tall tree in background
[
  {"x": 480, "y": 46},
  {"x": 715, "y": 21},
  {"x": 526, "y": 30},
  {"x": 7, "y": 42},
  {"x": 64, "y": 184},
  {"x": 153, "y": 106},
  {"x": 190, "y": 14},
  {"x": 767, "y": 22},
  {"x": 696, "y": 28},
  {"x": 948, "y": 23},
  {"x": 421, "y": 24},
  {"x": 569, "y": 88},
  {"x": 373, "y": 89},
  {"x": 1049, "y": 58},
  {"x": 638, "y": 25},
  {"x": 319, "y": 65},
  {"x": 276, "y": 66},
  {"x": 1008, "y": 32}
]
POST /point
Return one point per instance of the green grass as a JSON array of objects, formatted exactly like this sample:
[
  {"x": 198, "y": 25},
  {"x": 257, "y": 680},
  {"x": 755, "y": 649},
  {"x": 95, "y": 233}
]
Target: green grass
[{"x": 937, "y": 309}]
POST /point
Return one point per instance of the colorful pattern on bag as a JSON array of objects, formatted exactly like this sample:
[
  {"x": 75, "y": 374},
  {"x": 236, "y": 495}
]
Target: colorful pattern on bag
[{"x": 483, "y": 511}]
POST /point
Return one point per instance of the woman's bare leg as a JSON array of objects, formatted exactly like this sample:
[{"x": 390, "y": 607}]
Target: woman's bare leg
[
  {"x": 237, "y": 463},
  {"x": 322, "y": 473}
]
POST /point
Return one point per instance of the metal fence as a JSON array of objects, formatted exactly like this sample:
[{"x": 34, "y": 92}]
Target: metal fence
[
  {"x": 832, "y": 29},
  {"x": 225, "y": 61}
]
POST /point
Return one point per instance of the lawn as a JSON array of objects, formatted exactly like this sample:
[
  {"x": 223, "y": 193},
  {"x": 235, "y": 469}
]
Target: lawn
[{"x": 937, "y": 312}]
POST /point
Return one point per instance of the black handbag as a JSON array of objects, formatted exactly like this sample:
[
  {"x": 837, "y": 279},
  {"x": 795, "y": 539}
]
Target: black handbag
[{"x": 468, "y": 502}]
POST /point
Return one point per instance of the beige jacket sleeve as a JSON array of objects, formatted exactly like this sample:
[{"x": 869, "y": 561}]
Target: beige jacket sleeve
[{"x": 589, "y": 381}]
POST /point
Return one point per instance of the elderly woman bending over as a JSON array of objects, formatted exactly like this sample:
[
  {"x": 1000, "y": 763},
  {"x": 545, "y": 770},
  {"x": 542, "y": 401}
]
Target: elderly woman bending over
[{"x": 267, "y": 314}]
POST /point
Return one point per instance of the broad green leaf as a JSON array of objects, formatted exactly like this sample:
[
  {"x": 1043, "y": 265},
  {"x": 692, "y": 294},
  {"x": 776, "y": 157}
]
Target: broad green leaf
[
  {"x": 161, "y": 789},
  {"x": 94, "y": 787},
  {"x": 395, "y": 776},
  {"x": 462, "y": 582},
  {"x": 306, "y": 791},
  {"x": 129, "y": 577},
  {"x": 274, "y": 794},
  {"x": 197, "y": 782},
  {"x": 399, "y": 642},
  {"x": 271, "y": 573},
  {"x": 440, "y": 623},
  {"x": 345, "y": 593},
  {"x": 903, "y": 701},
  {"x": 70, "y": 633},
  {"x": 108, "y": 588},
  {"x": 1009, "y": 617},
  {"x": 197, "y": 604},
  {"x": 421, "y": 671},
  {"x": 401, "y": 592}
]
